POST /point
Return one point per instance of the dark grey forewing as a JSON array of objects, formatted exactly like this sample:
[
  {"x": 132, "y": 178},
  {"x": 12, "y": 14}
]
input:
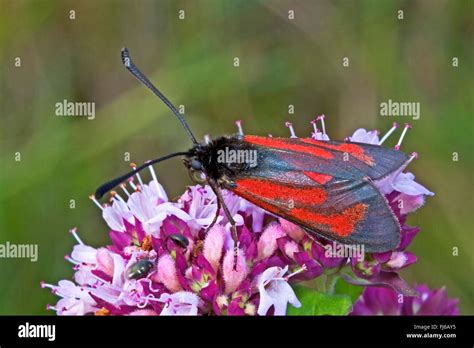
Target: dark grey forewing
[
  {"x": 379, "y": 161},
  {"x": 385, "y": 160}
]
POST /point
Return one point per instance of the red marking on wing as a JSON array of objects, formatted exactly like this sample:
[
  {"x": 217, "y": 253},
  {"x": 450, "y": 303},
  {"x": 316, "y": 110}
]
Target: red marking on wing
[
  {"x": 278, "y": 192},
  {"x": 341, "y": 224},
  {"x": 285, "y": 144},
  {"x": 267, "y": 195},
  {"x": 353, "y": 149},
  {"x": 319, "y": 178}
]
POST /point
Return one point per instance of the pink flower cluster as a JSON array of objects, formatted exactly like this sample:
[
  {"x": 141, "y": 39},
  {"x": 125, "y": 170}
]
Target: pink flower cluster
[
  {"x": 164, "y": 260},
  {"x": 168, "y": 264},
  {"x": 383, "y": 301}
]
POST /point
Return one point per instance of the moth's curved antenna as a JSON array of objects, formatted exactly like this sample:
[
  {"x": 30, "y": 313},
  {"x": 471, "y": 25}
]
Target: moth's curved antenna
[
  {"x": 112, "y": 183},
  {"x": 127, "y": 62}
]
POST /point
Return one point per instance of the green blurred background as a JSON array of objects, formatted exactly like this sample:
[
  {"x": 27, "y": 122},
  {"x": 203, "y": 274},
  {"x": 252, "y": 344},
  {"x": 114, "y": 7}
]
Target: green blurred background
[{"x": 282, "y": 62}]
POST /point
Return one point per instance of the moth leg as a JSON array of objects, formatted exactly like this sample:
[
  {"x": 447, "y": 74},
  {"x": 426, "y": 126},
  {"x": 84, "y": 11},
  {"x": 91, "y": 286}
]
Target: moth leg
[
  {"x": 219, "y": 206},
  {"x": 227, "y": 213}
]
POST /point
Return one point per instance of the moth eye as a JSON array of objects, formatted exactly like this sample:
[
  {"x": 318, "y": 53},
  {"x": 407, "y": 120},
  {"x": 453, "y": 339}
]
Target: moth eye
[
  {"x": 197, "y": 176},
  {"x": 196, "y": 165}
]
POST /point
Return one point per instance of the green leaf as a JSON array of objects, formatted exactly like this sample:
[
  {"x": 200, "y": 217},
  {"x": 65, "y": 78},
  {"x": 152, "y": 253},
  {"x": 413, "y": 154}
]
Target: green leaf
[
  {"x": 317, "y": 303},
  {"x": 344, "y": 288}
]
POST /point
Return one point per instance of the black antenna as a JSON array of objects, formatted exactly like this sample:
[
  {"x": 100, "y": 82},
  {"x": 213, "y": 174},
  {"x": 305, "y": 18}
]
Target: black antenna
[
  {"x": 127, "y": 61},
  {"x": 112, "y": 183}
]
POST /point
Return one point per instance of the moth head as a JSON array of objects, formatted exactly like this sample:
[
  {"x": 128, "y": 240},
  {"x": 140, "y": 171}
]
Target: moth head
[{"x": 195, "y": 169}]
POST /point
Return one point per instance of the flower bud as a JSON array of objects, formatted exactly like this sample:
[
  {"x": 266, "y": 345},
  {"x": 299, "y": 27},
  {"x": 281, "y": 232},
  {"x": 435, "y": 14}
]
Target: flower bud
[
  {"x": 105, "y": 261},
  {"x": 167, "y": 273},
  {"x": 290, "y": 248},
  {"x": 213, "y": 244},
  {"x": 267, "y": 244},
  {"x": 233, "y": 276},
  {"x": 400, "y": 259},
  {"x": 292, "y": 230}
]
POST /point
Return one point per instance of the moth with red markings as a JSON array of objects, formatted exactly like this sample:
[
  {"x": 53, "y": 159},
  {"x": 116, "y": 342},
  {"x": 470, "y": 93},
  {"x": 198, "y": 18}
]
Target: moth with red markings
[{"x": 329, "y": 188}]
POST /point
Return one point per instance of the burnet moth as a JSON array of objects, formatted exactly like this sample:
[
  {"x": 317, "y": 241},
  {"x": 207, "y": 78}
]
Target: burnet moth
[{"x": 326, "y": 187}]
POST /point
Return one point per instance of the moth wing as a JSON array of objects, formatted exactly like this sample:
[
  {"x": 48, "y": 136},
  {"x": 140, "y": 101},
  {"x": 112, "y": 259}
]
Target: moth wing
[
  {"x": 351, "y": 212},
  {"x": 339, "y": 159}
]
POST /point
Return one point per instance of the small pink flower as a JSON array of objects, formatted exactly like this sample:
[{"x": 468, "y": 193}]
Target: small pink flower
[
  {"x": 320, "y": 136},
  {"x": 401, "y": 259},
  {"x": 213, "y": 245},
  {"x": 291, "y": 248},
  {"x": 84, "y": 254},
  {"x": 386, "y": 301},
  {"x": 116, "y": 213},
  {"x": 166, "y": 271},
  {"x": 72, "y": 306},
  {"x": 267, "y": 244},
  {"x": 75, "y": 300},
  {"x": 293, "y": 231},
  {"x": 234, "y": 277},
  {"x": 275, "y": 291},
  {"x": 363, "y": 136},
  {"x": 408, "y": 204},
  {"x": 180, "y": 303},
  {"x": 405, "y": 183},
  {"x": 200, "y": 204},
  {"x": 144, "y": 312},
  {"x": 105, "y": 261}
]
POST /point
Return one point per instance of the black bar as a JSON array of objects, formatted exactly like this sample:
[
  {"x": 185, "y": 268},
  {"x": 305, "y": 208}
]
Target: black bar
[{"x": 242, "y": 330}]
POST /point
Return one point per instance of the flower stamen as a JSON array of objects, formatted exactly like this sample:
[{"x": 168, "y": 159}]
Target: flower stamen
[
  {"x": 46, "y": 285},
  {"x": 73, "y": 231},
  {"x": 134, "y": 167},
  {"x": 122, "y": 291},
  {"x": 412, "y": 157},
  {"x": 239, "y": 127},
  {"x": 116, "y": 197},
  {"x": 315, "y": 126},
  {"x": 71, "y": 260},
  {"x": 405, "y": 129},
  {"x": 323, "y": 126},
  {"x": 153, "y": 175},
  {"x": 302, "y": 269},
  {"x": 132, "y": 184},
  {"x": 390, "y": 131},
  {"x": 150, "y": 283},
  {"x": 146, "y": 299},
  {"x": 49, "y": 307},
  {"x": 93, "y": 199},
  {"x": 292, "y": 130},
  {"x": 124, "y": 189}
]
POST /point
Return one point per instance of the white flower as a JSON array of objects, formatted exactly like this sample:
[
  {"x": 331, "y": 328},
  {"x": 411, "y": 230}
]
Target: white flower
[
  {"x": 397, "y": 181},
  {"x": 363, "y": 136},
  {"x": 84, "y": 254},
  {"x": 275, "y": 291},
  {"x": 405, "y": 183},
  {"x": 258, "y": 214},
  {"x": 74, "y": 306},
  {"x": 76, "y": 300},
  {"x": 200, "y": 203},
  {"x": 116, "y": 213},
  {"x": 320, "y": 136},
  {"x": 180, "y": 303}
]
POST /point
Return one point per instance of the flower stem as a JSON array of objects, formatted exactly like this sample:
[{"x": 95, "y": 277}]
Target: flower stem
[{"x": 331, "y": 280}]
